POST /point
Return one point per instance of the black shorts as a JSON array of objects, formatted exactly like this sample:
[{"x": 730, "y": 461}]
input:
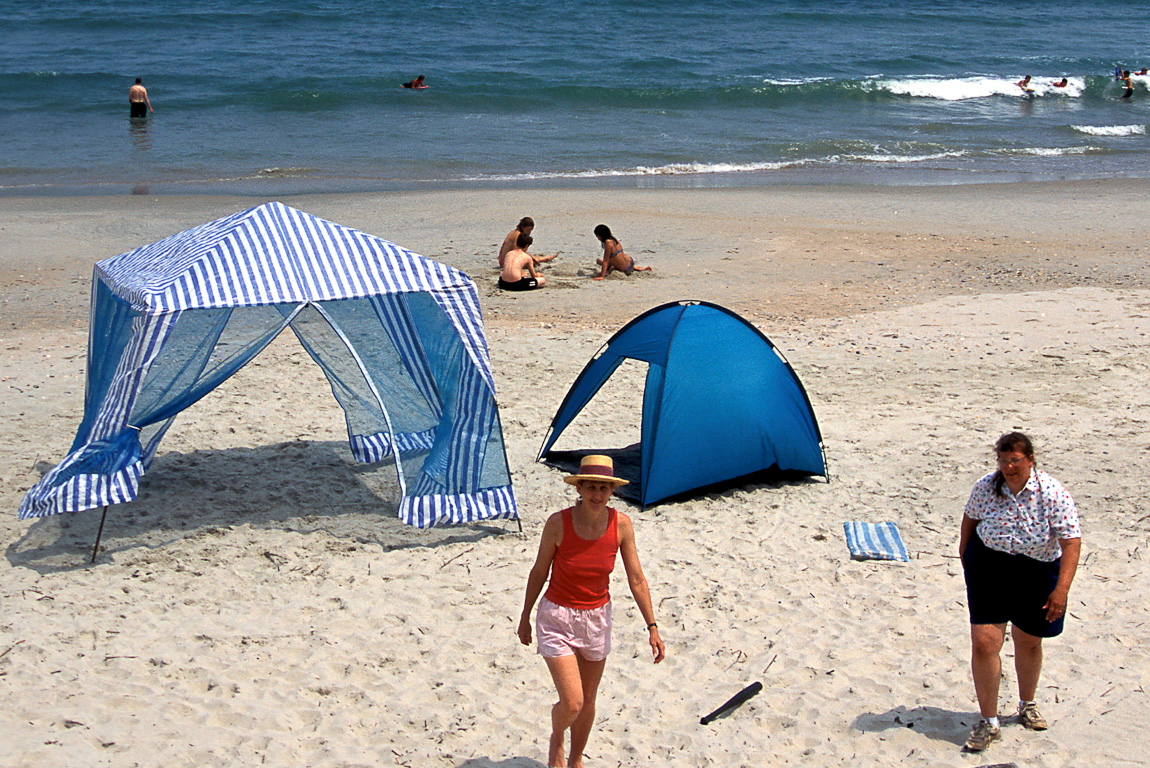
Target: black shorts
[
  {"x": 1002, "y": 588},
  {"x": 139, "y": 109},
  {"x": 522, "y": 284}
]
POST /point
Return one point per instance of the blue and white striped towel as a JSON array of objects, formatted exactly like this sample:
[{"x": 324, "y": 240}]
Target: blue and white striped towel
[{"x": 875, "y": 541}]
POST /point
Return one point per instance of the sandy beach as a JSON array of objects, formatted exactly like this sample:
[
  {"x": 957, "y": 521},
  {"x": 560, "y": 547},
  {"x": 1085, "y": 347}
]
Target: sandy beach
[{"x": 260, "y": 605}]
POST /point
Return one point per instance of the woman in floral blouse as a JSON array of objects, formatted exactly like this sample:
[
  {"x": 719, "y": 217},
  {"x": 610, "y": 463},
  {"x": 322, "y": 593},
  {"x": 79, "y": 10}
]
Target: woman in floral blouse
[{"x": 1019, "y": 547}]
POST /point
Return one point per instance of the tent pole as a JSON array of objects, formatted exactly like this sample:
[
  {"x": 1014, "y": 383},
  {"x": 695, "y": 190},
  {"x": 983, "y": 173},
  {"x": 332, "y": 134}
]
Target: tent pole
[{"x": 99, "y": 533}]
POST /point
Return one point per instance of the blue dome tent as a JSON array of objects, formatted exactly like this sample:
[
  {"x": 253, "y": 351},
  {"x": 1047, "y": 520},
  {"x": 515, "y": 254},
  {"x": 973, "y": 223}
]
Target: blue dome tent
[
  {"x": 398, "y": 336},
  {"x": 720, "y": 404}
]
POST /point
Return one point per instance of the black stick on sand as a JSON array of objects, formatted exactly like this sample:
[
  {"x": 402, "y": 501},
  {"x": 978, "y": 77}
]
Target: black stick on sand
[{"x": 733, "y": 702}]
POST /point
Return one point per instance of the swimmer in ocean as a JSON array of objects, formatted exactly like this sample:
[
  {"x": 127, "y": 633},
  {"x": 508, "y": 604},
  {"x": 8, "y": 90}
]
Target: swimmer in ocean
[
  {"x": 416, "y": 84},
  {"x": 1127, "y": 83},
  {"x": 138, "y": 102}
]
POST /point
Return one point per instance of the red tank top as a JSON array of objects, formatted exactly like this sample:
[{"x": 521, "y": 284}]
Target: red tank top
[{"x": 581, "y": 570}]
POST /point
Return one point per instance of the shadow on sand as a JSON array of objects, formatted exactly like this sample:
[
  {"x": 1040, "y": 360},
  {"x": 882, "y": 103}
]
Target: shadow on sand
[
  {"x": 294, "y": 486},
  {"x": 627, "y": 466},
  {"x": 932, "y": 722}
]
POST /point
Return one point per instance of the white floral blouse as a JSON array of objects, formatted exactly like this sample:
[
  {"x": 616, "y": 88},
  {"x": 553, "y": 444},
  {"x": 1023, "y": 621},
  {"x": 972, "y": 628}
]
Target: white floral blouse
[{"x": 1030, "y": 523}]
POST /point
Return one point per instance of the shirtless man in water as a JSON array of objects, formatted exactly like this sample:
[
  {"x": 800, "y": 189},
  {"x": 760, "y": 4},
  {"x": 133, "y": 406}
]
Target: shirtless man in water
[
  {"x": 517, "y": 262},
  {"x": 1127, "y": 83},
  {"x": 138, "y": 99},
  {"x": 524, "y": 227}
]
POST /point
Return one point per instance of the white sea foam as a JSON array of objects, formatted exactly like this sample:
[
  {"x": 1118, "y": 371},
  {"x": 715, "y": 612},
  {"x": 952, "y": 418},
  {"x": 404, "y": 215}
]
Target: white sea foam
[
  {"x": 882, "y": 158},
  {"x": 278, "y": 171},
  {"x": 1111, "y": 130},
  {"x": 1051, "y": 151},
  {"x": 683, "y": 169},
  {"x": 963, "y": 88},
  {"x": 795, "y": 80},
  {"x": 671, "y": 169}
]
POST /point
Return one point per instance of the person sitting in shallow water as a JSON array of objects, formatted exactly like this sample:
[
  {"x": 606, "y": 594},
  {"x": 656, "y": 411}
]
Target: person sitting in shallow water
[
  {"x": 614, "y": 257},
  {"x": 515, "y": 264}
]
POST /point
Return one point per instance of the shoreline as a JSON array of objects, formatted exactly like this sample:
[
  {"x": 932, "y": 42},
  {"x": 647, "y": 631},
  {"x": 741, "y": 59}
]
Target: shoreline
[
  {"x": 773, "y": 254},
  {"x": 274, "y": 182}
]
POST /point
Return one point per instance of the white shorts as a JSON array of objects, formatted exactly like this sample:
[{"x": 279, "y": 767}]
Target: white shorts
[{"x": 565, "y": 631}]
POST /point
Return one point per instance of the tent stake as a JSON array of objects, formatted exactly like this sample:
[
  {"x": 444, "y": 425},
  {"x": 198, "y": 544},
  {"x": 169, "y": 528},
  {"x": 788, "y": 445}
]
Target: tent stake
[{"x": 99, "y": 533}]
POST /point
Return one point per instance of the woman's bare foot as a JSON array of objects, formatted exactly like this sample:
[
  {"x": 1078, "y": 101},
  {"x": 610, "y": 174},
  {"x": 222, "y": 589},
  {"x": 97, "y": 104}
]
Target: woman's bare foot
[{"x": 555, "y": 754}]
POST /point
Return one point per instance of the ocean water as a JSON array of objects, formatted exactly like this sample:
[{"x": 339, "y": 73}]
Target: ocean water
[{"x": 262, "y": 97}]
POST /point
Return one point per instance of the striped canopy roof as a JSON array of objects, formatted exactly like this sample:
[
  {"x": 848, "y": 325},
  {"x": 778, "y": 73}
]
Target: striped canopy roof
[{"x": 269, "y": 254}]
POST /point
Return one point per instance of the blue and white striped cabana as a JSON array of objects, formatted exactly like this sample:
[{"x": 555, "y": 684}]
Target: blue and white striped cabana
[{"x": 399, "y": 337}]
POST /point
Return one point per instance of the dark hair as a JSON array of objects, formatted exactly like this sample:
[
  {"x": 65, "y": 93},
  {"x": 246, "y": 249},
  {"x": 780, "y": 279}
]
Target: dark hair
[
  {"x": 523, "y": 240},
  {"x": 603, "y": 232},
  {"x": 139, "y": 80},
  {"x": 526, "y": 221},
  {"x": 1011, "y": 442}
]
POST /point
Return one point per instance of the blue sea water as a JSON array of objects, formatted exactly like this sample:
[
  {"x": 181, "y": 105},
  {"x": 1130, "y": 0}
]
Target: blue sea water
[{"x": 269, "y": 97}]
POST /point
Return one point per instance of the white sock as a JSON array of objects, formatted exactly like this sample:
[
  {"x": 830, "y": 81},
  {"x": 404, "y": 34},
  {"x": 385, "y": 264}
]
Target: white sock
[
  {"x": 993, "y": 721},
  {"x": 1022, "y": 703}
]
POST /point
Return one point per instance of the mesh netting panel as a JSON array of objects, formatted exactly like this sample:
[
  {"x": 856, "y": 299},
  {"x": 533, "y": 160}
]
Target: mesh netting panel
[
  {"x": 108, "y": 335},
  {"x": 412, "y": 410},
  {"x": 203, "y": 349}
]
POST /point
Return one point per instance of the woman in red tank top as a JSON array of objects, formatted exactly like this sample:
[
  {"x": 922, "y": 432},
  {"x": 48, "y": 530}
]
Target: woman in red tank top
[{"x": 578, "y": 549}]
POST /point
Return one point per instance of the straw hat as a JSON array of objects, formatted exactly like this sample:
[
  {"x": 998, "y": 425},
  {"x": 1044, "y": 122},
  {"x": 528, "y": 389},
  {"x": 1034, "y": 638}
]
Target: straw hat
[{"x": 598, "y": 469}]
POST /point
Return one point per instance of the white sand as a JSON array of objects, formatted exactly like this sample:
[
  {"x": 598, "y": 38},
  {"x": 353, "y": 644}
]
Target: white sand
[{"x": 256, "y": 606}]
